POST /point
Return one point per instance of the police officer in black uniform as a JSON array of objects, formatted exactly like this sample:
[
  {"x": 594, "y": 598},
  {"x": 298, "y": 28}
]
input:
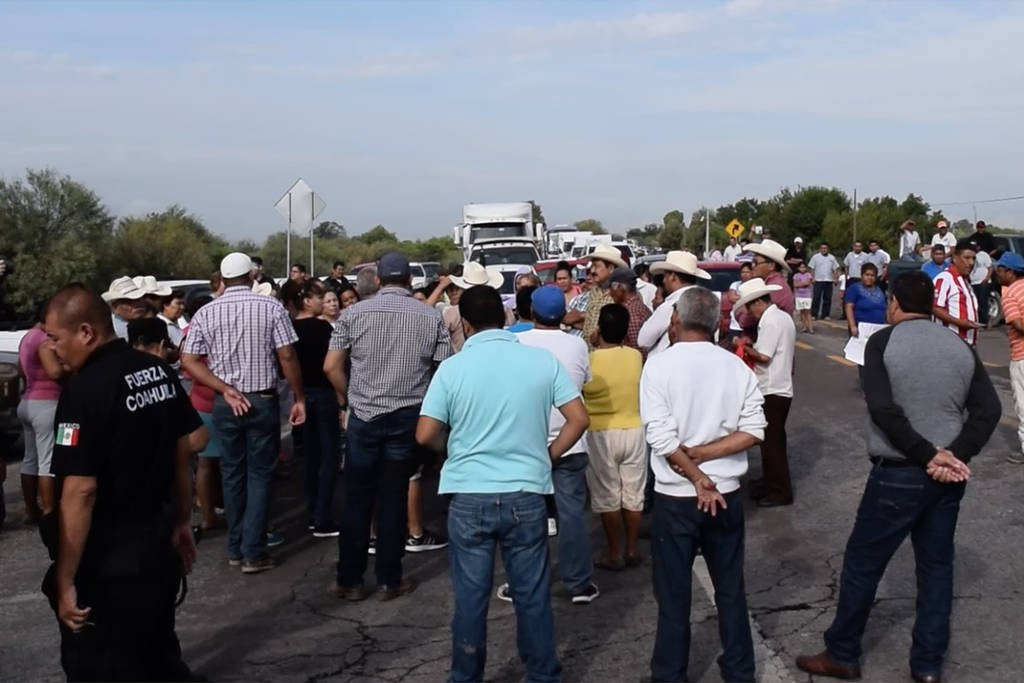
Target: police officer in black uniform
[{"x": 121, "y": 537}]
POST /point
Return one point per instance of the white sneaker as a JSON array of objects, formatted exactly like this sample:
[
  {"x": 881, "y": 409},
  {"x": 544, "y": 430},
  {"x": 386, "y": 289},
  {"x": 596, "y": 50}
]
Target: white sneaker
[{"x": 552, "y": 527}]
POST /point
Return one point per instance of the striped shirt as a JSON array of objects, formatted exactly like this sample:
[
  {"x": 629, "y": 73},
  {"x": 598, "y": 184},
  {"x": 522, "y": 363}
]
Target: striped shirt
[
  {"x": 393, "y": 341},
  {"x": 240, "y": 332},
  {"x": 954, "y": 293},
  {"x": 638, "y": 315},
  {"x": 1013, "y": 309},
  {"x": 579, "y": 304}
]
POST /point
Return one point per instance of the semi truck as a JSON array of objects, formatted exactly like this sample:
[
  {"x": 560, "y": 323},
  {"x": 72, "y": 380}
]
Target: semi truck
[{"x": 500, "y": 234}]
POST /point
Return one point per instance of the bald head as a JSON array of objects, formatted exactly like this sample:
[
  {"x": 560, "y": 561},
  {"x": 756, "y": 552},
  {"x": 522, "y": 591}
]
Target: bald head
[{"x": 78, "y": 322}]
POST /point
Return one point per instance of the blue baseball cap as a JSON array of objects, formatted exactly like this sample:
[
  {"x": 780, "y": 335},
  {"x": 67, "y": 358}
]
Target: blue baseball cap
[
  {"x": 548, "y": 303},
  {"x": 1011, "y": 261},
  {"x": 393, "y": 265}
]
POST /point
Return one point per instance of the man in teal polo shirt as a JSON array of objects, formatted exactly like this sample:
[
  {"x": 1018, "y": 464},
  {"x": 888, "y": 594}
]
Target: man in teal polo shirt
[{"x": 496, "y": 396}]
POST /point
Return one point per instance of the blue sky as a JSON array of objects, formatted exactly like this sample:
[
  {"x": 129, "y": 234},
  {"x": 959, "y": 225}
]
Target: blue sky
[{"x": 399, "y": 113}]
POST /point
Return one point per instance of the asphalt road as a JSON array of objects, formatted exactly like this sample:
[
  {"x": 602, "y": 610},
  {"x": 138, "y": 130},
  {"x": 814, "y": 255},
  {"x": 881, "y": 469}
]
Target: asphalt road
[{"x": 282, "y": 625}]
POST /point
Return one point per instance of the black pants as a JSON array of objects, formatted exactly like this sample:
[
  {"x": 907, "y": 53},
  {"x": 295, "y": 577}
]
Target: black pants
[
  {"x": 774, "y": 458},
  {"x": 131, "y": 636},
  {"x": 821, "y": 306},
  {"x": 981, "y": 292}
]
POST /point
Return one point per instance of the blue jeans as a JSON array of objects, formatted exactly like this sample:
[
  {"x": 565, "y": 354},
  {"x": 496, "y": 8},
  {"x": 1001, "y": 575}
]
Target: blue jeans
[
  {"x": 899, "y": 501},
  {"x": 677, "y": 531},
  {"x": 477, "y": 524},
  {"x": 574, "y": 561},
  {"x": 377, "y": 470},
  {"x": 249, "y": 454},
  {"x": 320, "y": 448}
]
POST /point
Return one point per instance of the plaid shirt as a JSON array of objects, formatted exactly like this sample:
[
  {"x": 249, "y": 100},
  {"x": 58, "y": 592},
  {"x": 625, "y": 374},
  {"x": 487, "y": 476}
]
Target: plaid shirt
[
  {"x": 578, "y": 304},
  {"x": 638, "y": 315},
  {"x": 393, "y": 342},
  {"x": 598, "y": 299},
  {"x": 239, "y": 333}
]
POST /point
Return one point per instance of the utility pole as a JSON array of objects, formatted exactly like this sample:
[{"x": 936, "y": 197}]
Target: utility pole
[
  {"x": 707, "y": 232},
  {"x": 855, "y": 214}
]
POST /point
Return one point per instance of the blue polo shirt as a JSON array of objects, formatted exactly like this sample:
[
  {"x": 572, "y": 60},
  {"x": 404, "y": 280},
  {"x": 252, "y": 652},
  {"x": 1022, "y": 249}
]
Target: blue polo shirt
[
  {"x": 496, "y": 395},
  {"x": 932, "y": 270}
]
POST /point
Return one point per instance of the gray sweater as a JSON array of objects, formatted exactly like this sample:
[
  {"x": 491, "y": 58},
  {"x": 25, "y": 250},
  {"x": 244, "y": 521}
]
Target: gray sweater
[{"x": 916, "y": 406}]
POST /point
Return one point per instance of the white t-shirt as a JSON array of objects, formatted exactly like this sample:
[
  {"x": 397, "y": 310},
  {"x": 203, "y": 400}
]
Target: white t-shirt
[
  {"x": 647, "y": 292},
  {"x": 949, "y": 241},
  {"x": 824, "y": 267},
  {"x": 734, "y": 325},
  {"x": 776, "y": 338},
  {"x": 571, "y": 352},
  {"x": 909, "y": 239},
  {"x": 732, "y": 253},
  {"x": 716, "y": 256},
  {"x": 982, "y": 263}
]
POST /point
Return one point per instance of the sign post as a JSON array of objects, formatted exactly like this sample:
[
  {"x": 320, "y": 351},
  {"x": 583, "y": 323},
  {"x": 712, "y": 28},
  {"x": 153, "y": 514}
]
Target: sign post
[{"x": 299, "y": 206}]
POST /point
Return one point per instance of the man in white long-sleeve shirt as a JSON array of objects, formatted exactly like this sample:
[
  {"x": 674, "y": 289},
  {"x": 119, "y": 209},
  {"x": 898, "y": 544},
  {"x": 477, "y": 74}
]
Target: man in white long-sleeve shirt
[
  {"x": 698, "y": 440},
  {"x": 681, "y": 273}
]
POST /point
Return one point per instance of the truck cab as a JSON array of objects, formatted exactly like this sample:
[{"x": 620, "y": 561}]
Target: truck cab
[{"x": 491, "y": 225}]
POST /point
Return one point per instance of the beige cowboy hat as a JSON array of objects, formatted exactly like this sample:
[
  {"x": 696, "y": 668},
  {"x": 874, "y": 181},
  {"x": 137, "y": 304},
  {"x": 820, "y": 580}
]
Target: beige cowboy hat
[
  {"x": 474, "y": 274},
  {"x": 680, "y": 262},
  {"x": 123, "y": 288},
  {"x": 150, "y": 286},
  {"x": 608, "y": 253},
  {"x": 262, "y": 288},
  {"x": 770, "y": 249},
  {"x": 752, "y": 289}
]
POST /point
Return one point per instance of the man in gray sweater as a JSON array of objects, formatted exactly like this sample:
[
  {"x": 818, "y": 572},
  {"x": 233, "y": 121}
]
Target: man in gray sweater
[{"x": 924, "y": 428}]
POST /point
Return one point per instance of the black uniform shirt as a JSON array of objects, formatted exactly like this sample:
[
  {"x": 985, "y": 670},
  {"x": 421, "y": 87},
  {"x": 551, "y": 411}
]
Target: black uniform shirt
[{"x": 119, "y": 420}]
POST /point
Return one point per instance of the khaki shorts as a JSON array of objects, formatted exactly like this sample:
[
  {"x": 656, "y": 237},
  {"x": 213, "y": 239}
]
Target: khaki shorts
[{"x": 617, "y": 473}]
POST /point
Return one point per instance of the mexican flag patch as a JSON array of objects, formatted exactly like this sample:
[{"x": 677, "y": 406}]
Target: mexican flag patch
[{"x": 67, "y": 434}]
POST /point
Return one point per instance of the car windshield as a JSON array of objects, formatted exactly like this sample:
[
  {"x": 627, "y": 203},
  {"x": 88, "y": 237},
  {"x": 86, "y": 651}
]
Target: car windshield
[
  {"x": 432, "y": 270},
  {"x": 417, "y": 270},
  {"x": 497, "y": 231},
  {"x": 500, "y": 256}
]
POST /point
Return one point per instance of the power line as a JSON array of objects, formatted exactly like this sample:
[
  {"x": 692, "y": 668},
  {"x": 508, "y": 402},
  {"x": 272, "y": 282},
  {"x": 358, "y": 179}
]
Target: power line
[{"x": 979, "y": 201}]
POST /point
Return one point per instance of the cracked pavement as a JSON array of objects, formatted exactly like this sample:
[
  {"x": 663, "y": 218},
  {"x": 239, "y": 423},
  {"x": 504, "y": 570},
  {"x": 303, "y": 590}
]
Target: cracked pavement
[{"x": 282, "y": 625}]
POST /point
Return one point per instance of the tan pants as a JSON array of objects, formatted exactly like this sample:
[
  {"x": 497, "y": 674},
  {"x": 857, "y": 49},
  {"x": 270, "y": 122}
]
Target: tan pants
[
  {"x": 617, "y": 473},
  {"x": 1017, "y": 380}
]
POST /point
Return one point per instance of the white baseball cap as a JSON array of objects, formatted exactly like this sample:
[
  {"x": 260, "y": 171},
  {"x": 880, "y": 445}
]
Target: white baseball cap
[{"x": 235, "y": 264}]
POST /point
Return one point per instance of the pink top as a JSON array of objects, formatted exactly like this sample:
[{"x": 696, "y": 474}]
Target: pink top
[
  {"x": 202, "y": 396},
  {"x": 38, "y": 385}
]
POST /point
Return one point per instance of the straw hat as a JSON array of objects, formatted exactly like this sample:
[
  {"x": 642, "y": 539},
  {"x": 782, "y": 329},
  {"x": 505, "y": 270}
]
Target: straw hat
[
  {"x": 149, "y": 285},
  {"x": 123, "y": 288},
  {"x": 474, "y": 274},
  {"x": 680, "y": 262},
  {"x": 608, "y": 253},
  {"x": 262, "y": 288},
  {"x": 771, "y": 250},
  {"x": 754, "y": 288}
]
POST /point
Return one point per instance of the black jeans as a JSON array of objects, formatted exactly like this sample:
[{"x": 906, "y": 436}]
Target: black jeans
[
  {"x": 377, "y": 470},
  {"x": 677, "y": 531},
  {"x": 774, "y": 457},
  {"x": 320, "y": 449},
  {"x": 899, "y": 501},
  {"x": 982, "y": 292},
  {"x": 821, "y": 306}
]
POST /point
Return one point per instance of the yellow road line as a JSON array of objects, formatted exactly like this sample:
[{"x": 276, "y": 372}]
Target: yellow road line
[
  {"x": 804, "y": 345},
  {"x": 831, "y": 323},
  {"x": 841, "y": 360}
]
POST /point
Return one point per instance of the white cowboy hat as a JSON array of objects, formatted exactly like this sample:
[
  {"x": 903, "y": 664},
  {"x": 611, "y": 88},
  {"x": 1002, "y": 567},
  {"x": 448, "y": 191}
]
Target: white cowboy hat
[
  {"x": 680, "y": 262},
  {"x": 608, "y": 253},
  {"x": 262, "y": 288},
  {"x": 770, "y": 249},
  {"x": 752, "y": 289},
  {"x": 123, "y": 288},
  {"x": 474, "y": 274},
  {"x": 149, "y": 285}
]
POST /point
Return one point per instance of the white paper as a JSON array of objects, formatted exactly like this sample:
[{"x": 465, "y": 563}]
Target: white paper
[{"x": 854, "y": 350}]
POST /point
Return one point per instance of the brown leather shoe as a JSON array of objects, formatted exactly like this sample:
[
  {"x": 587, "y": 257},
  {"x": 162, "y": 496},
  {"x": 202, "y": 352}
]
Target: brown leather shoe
[
  {"x": 926, "y": 678},
  {"x": 350, "y": 593},
  {"x": 385, "y": 593},
  {"x": 822, "y": 664}
]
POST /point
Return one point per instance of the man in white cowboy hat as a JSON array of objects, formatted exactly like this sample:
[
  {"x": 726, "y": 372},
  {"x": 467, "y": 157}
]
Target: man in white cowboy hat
[
  {"x": 681, "y": 273},
  {"x": 154, "y": 292},
  {"x": 772, "y": 355},
  {"x": 603, "y": 261},
  {"x": 126, "y": 303},
  {"x": 473, "y": 274},
  {"x": 770, "y": 266}
]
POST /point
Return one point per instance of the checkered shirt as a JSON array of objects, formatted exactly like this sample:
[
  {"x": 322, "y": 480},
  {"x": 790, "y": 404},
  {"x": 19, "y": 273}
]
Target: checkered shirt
[
  {"x": 578, "y": 304},
  {"x": 598, "y": 299},
  {"x": 638, "y": 315},
  {"x": 393, "y": 342},
  {"x": 239, "y": 333}
]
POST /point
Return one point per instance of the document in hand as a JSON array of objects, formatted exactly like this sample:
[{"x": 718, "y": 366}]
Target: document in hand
[{"x": 854, "y": 350}]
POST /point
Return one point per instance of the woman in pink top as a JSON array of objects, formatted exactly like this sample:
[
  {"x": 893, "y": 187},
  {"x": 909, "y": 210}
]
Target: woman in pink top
[{"x": 42, "y": 372}]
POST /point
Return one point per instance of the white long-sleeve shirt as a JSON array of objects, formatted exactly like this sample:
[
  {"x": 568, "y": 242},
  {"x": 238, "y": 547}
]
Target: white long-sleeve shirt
[
  {"x": 691, "y": 394},
  {"x": 653, "y": 335}
]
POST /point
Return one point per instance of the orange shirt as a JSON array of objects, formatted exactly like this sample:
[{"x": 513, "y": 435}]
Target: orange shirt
[{"x": 1013, "y": 309}]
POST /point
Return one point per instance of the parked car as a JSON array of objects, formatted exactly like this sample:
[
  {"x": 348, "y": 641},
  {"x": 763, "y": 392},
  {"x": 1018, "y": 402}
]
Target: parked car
[{"x": 546, "y": 269}]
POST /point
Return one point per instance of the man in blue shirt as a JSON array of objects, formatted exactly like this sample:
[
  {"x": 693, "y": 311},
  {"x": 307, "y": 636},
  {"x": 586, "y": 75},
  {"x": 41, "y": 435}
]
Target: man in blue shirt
[
  {"x": 496, "y": 396},
  {"x": 937, "y": 264}
]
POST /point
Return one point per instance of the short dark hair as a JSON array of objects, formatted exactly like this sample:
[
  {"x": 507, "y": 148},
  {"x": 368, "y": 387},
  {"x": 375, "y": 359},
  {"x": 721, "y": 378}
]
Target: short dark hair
[
  {"x": 939, "y": 247},
  {"x": 746, "y": 265},
  {"x": 425, "y": 291},
  {"x": 913, "y": 291},
  {"x": 176, "y": 294},
  {"x": 338, "y": 263},
  {"x": 613, "y": 322},
  {"x": 823, "y": 244},
  {"x": 965, "y": 245},
  {"x": 524, "y": 302},
  {"x": 300, "y": 267},
  {"x": 869, "y": 266},
  {"x": 256, "y": 260},
  {"x": 481, "y": 307},
  {"x": 146, "y": 331},
  {"x": 641, "y": 269},
  {"x": 563, "y": 265},
  {"x": 76, "y": 304}
]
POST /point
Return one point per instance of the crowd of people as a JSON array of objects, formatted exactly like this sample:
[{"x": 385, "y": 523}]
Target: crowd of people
[{"x": 573, "y": 394}]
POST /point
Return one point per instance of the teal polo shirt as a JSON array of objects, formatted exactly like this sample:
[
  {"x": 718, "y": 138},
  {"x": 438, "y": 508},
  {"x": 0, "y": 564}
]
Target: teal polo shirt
[{"x": 496, "y": 395}]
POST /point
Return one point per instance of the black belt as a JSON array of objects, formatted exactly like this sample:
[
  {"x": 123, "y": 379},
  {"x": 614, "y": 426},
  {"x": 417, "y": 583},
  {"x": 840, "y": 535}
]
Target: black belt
[{"x": 891, "y": 462}]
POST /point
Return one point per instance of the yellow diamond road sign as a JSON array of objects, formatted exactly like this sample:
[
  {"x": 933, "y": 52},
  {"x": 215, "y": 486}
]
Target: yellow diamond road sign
[{"x": 734, "y": 229}]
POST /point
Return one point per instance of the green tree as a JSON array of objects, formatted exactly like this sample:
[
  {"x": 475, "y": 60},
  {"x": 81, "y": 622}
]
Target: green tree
[
  {"x": 378, "y": 234},
  {"x": 538, "y": 213},
  {"x": 170, "y": 245},
  {"x": 53, "y": 231},
  {"x": 329, "y": 230},
  {"x": 590, "y": 225},
  {"x": 646, "y": 236},
  {"x": 674, "y": 232}
]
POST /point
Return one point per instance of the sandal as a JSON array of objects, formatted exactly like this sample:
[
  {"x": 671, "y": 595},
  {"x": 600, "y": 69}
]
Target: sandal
[
  {"x": 610, "y": 564},
  {"x": 634, "y": 561}
]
